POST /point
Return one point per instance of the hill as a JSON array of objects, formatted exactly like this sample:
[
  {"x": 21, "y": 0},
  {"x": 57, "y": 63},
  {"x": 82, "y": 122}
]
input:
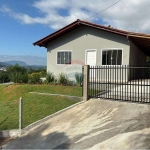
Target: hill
[
  {"x": 30, "y": 60},
  {"x": 3, "y": 64},
  {"x": 21, "y": 63},
  {"x": 13, "y": 62}
]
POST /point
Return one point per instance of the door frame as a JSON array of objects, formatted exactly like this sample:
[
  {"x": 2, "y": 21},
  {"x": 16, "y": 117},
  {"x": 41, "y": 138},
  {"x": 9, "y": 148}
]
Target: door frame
[{"x": 86, "y": 55}]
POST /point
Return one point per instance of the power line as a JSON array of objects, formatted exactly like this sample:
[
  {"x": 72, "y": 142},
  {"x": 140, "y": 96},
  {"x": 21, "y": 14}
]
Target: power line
[{"x": 103, "y": 10}]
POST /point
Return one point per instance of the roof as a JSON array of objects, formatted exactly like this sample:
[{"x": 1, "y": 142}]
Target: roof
[{"x": 141, "y": 40}]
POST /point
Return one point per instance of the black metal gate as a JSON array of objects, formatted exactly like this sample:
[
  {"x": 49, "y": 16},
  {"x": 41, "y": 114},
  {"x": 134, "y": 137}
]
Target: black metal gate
[{"x": 125, "y": 83}]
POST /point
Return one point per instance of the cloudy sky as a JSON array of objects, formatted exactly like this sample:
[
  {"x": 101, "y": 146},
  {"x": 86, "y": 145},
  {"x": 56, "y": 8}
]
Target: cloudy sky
[{"x": 23, "y": 22}]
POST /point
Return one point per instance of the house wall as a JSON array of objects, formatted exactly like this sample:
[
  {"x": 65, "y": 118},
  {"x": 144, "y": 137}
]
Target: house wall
[{"x": 79, "y": 41}]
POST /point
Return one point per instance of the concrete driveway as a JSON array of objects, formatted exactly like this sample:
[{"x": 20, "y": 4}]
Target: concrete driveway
[
  {"x": 95, "y": 124},
  {"x": 134, "y": 90}
]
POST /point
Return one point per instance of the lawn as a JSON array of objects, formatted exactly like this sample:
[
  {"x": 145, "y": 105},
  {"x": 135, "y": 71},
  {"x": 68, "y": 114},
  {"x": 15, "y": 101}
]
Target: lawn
[{"x": 35, "y": 106}]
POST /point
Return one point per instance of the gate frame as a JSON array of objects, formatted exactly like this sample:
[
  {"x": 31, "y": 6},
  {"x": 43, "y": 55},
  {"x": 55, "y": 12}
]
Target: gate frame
[{"x": 85, "y": 82}]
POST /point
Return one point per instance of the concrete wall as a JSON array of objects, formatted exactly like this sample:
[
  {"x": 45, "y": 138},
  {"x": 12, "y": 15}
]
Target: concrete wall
[{"x": 79, "y": 41}]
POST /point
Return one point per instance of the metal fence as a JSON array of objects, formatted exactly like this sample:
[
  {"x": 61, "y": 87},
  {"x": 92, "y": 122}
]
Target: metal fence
[{"x": 126, "y": 83}]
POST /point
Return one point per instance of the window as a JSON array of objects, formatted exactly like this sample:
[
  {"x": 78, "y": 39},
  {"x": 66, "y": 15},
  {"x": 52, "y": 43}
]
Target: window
[
  {"x": 64, "y": 57},
  {"x": 112, "y": 57}
]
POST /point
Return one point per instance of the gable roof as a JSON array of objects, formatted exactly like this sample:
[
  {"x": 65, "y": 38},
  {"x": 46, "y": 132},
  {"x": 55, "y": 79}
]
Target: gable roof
[{"x": 141, "y": 40}]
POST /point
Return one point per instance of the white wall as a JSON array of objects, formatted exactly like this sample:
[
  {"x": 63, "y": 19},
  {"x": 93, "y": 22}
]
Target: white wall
[{"x": 80, "y": 40}]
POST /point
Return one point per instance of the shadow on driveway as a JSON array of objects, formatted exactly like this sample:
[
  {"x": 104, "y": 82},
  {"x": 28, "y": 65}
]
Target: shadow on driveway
[{"x": 94, "y": 124}]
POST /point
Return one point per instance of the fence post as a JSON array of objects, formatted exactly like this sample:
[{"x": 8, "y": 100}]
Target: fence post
[
  {"x": 20, "y": 114},
  {"x": 85, "y": 82}
]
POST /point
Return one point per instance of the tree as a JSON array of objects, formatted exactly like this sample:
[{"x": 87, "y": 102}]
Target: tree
[
  {"x": 17, "y": 74},
  {"x": 4, "y": 77}
]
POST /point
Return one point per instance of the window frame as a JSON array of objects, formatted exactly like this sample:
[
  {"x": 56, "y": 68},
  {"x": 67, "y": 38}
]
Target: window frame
[
  {"x": 63, "y": 51},
  {"x": 110, "y": 49}
]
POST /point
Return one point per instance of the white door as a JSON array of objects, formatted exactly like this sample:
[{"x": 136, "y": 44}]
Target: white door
[{"x": 91, "y": 60}]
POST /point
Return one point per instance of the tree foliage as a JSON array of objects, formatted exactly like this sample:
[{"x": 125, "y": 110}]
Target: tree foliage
[
  {"x": 4, "y": 77},
  {"x": 34, "y": 78},
  {"x": 17, "y": 74}
]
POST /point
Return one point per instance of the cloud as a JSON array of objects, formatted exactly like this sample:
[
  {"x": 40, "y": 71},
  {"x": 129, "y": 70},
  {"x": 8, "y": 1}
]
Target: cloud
[
  {"x": 127, "y": 14},
  {"x": 19, "y": 16}
]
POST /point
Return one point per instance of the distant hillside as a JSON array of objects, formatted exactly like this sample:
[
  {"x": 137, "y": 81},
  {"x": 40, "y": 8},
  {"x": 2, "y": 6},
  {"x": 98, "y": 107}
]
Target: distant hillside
[
  {"x": 21, "y": 63},
  {"x": 30, "y": 60},
  {"x": 3, "y": 64},
  {"x": 13, "y": 62}
]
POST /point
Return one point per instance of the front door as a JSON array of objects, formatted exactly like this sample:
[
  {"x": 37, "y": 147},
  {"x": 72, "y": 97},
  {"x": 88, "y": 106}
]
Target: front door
[{"x": 91, "y": 60}]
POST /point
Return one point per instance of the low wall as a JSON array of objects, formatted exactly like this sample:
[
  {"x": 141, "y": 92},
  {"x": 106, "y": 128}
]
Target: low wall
[{"x": 9, "y": 133}]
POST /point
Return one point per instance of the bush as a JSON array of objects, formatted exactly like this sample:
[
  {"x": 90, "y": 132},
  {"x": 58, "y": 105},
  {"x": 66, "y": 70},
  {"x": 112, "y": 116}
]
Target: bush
[
  {"x": 43, "y": 73},
  {"x": 50, "y": 77},
  {"x": 34, "y": 78},
  {"x": 79, "y": 77},
  {"x": 37, "y": 70},
  {"x": 25, "y": 78},
  {"x": 17, "y": 74},
  {"x": 62, "y": 78},
  {"x": 71, "y": 83},
  {"x": 4, "y": 77}
]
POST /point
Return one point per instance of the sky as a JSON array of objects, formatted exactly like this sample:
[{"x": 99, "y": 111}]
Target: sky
[{"x": 23, "y": 22}]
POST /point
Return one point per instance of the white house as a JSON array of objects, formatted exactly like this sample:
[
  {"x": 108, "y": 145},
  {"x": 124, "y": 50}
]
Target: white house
[{"x": 82, "y": 42}]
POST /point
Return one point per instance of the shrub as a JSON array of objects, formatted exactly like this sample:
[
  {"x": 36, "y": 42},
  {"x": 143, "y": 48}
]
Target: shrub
[
  {"x": 34, "y": 78},
  {"x": 50, "y": 77},
  {"x": 17, "y": 74},
  {"x": 71, "y": 83},
  {"x": 62, "y": 78},
  {"x": 4, "y": 77},
  {"x": 43, "y": 73},
  {"x": 25, "y": 78},
  {"x": 79, "y": 77}
]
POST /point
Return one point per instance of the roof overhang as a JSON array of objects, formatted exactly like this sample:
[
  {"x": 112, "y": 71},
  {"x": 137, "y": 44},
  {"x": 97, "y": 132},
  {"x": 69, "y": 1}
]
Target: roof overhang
[
  {"x": 44, "y": 41},
  {"x": 141, "y": 40}
]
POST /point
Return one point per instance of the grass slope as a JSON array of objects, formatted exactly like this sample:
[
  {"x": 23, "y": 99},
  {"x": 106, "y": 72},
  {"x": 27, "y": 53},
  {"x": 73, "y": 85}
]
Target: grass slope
[{"x": 35, "y": 107}]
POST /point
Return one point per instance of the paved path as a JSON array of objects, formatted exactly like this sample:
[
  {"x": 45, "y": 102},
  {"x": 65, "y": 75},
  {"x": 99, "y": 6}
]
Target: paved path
[{"x": 95, "y": 124}]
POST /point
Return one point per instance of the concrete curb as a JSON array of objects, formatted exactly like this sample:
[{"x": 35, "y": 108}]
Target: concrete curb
[
  {"x": 67, "y": 96},
  {"x": 9, "y": 133},
  {"x": 16, "y": 132},
  {"x": 7, "y": 83},
  {"x": 29, "y": 127}
]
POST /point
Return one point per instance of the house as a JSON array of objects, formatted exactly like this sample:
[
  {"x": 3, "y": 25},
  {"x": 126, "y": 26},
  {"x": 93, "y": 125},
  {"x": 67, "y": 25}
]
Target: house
[
  {"x": 3, "y": 68},
  {"x": 82, "y": 42}
]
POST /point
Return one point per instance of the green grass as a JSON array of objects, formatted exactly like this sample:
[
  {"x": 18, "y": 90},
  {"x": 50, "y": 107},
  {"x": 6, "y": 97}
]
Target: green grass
[{"x": 35, "y": 106}]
